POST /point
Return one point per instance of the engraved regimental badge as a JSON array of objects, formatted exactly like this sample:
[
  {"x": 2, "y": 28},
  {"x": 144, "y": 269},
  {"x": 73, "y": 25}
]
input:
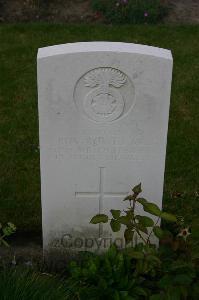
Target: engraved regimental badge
[{"x": 103, "y": 94}]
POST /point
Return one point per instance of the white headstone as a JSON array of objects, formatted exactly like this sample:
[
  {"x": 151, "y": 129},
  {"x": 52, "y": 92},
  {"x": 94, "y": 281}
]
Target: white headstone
[{"x": 103, "y": 118}]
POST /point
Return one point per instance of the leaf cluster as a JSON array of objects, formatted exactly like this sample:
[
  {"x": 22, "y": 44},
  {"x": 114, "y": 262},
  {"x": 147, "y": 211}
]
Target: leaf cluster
[
  {"x": 136, "y": 225},
  {"x": 6, "y": 231},
  {"x": 138, "y": 272},
  {"x": 168, "y": 272},
  {"x": 108, "y": 276}
]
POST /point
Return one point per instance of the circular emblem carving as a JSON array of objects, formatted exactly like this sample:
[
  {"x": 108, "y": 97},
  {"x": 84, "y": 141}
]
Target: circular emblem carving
[{"x": 104, "y": 94}]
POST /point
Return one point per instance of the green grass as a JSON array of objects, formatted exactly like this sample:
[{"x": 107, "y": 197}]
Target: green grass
[
  {"x": 24, "y": 285},
  {"x": 19, "y": 156}
]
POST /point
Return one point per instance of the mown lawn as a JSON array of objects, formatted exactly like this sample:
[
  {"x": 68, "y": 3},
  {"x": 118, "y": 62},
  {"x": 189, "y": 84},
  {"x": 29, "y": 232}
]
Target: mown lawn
[{"x": 19, "y": 154}]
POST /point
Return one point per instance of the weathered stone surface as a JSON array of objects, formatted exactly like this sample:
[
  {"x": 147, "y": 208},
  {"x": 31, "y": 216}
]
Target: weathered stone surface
[{"x": 103, "y": 118}]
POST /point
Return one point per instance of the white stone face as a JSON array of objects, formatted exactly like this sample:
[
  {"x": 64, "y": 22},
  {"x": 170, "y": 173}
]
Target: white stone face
[{"x": 103, "y": 118}]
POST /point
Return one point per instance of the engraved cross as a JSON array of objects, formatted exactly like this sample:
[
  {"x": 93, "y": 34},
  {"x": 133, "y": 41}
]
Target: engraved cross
[{"x": 101, "y": 194}]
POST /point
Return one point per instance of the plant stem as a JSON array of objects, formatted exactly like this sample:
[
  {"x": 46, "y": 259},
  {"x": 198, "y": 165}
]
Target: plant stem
[
  {"x": 137, "y": 230},
  {"x": 148, "y": 239}
]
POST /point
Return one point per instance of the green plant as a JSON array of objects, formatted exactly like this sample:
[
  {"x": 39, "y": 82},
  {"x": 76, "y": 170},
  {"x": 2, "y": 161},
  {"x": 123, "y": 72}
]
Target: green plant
[
  {"x": 141, "y": 271},
  {"x": 20, "y": 284},
  {"x": 135, "y": 224},
  {"x": 135, "y": 273},
  {"x": 179, "y": 280},
  {"x": 6, "y": 231},
  {"x": 109, "y": 276},
  {"x": 131, "y": 11}
]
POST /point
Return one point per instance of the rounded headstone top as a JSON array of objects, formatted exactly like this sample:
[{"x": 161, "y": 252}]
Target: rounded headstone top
[{"x": 103, "y": 47}]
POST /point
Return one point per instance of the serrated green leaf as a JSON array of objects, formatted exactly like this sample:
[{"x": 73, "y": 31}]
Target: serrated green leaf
[
  {"x": 145, "y": 221},
  {"x": 142, "y": 228},
  {"x": 158, "y": 232},
  {"x": 128, "y": 235},
  {"x": 7, "y": 231},
  {"x": 129, "y": 213},
  {"x": 115, "y": 225},
  {"x": 137, "y": 189},
  {"x": 100, "y": 218},
  {"x": 124, "y": 220},
  {"x": 142, "y": 201},
  {"x": 168, "y": 217},
  {"x": 152, "y": 209},
  {"x": 115, "y": 213}
]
